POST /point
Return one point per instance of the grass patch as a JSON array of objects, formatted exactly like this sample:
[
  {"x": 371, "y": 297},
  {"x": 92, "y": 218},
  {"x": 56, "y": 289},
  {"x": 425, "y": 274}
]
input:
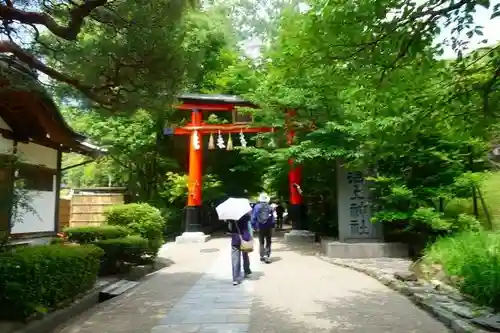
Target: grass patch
[
  {"x": 490, "y": 190},
  {"x": 491, "y": 193},
  {"x": 472, "y": 260}
]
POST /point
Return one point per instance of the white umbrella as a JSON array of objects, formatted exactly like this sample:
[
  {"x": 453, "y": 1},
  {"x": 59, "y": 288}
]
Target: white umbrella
[{"x": 233, "y": 208}]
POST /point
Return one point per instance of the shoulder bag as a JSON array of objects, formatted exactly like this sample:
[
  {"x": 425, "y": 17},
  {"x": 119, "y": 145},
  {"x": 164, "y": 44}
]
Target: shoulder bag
[{"x": 246, "y": 246}]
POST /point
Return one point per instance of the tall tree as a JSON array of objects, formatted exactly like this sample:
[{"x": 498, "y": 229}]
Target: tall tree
[
  {"x": 110, "y": 52},
  {"x": 405, "y": 123}
]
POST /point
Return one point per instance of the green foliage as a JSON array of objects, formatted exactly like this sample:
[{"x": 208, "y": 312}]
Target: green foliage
[
  {"x": 398, "y": 204},
  {"x": 176, "y": 188},
  {"x": 142, "y": 219},
  {"x": 415, "y": 123},
  {"x": 89, "y": 234},
  {"x": 118, "y": 251},
  {"x": 490, "y": 190},
  {"x": 472, "y": 260},
  {"x": 133, "y": 52},
  {"x": 57, "y": 241},
  {"x": 392, "y": 111},
  {"x": 44, "y": 278},
  {"x": 136, "y": 156},
  {"x": 428, "y": 218},
  {"x": 465, "y": 222},
  {"x": 174, "y": 221}
]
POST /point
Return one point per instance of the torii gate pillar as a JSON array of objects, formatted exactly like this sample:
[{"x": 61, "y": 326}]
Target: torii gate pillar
[
  {"x": 195, "y": 176},
  {"x": 296, "y": 209}
]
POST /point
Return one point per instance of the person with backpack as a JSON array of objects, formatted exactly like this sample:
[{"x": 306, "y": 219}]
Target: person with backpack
[{"x": 263, "y": 221}]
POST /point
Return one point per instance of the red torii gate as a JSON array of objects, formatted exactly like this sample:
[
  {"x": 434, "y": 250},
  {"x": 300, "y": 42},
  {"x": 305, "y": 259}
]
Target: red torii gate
[
  {"x": 296, "y": 209},
  {"x": 199, "y": 103}
]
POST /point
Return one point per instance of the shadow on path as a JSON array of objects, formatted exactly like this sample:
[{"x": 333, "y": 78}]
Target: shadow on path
[
  {"x": 296, "y": 293},
  {"x": 303, "y": 293}
]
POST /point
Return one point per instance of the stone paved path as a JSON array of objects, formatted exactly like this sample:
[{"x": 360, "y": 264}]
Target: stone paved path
[
  {"x": 297, "y": 293},
  {"x": 300, "y": 292},
  {"x": 213, "y": 305}
]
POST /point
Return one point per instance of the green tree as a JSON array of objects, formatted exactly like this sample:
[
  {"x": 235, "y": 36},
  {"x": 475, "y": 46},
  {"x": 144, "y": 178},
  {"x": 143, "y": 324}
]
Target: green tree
[
  {"x": 406, "y": 123},
  {"x": 140, "y": 157},
  {"x": 113, "y": 53}
]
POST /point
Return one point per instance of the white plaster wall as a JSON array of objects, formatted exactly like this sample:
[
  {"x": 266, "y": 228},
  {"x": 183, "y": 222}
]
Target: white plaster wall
[
  {"x": 6, "y": 145},
  {"x": 32, "y": 153},
  {"x": 3, "y": 124},
  {"x": 344, "y": 195},
  {"x": 43, "y": 202},
  {"x": 44, "y": 220}
]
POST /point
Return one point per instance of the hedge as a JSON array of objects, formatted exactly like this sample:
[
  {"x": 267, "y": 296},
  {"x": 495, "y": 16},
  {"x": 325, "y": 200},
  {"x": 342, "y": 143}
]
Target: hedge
[
  {"x": 89, "y": 234},
  {"x": 131, "y": 249},
  {"x": 42, "y": 278},
  {"x": 142, "y": 219}
]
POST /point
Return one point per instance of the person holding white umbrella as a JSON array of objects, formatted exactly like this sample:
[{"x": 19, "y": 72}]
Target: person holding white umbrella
[
  {"x": 240, "y": 238},
  {"x": 238, "y": 211}
]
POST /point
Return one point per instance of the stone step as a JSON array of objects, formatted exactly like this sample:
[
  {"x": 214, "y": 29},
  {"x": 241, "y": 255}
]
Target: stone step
[{"x": 116, "y": 289}]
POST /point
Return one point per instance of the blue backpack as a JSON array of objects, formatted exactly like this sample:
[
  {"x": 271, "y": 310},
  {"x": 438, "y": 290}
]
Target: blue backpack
[{"x": 264, "y": 213}]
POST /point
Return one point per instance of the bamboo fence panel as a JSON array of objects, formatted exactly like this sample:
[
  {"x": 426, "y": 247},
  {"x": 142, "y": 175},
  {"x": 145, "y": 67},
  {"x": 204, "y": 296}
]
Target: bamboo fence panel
[
  {"x": 88, "y": 209},
  {"x": 64, "y": 213}
]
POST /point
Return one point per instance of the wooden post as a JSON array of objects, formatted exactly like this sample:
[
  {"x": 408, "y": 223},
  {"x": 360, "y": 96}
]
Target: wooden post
[
  {"x": 474, "y": 194},
  {"x": 195, "y": 182}
]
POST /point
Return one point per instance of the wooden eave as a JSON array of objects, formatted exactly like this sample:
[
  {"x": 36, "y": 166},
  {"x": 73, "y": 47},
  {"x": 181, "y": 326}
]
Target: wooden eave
[
  {"x": 212, "y": 102},
  {"x": 32, "y": 115}
]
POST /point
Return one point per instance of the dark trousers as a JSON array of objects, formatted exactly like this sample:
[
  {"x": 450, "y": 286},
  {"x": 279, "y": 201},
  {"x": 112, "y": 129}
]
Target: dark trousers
[
  {"x": 265, "y": 242},
  {"x": 279, "y": 222}
]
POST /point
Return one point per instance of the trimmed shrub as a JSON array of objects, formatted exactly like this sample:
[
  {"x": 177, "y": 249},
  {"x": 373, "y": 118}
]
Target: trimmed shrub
[
  {"x": 89, "y": 234},
  {"x": 173, "y": 221},
  {"x": 142, "y": 219},
  {"x": 42, "y": 278},
  {"x": 131, "y": 249},
  {"x": 472, "y": 260}
]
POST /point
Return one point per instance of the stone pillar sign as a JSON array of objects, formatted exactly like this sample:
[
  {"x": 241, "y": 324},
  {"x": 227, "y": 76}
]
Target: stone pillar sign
[
  {"x": 358, "y": 237},
  {"x": 354, "y": 207}
]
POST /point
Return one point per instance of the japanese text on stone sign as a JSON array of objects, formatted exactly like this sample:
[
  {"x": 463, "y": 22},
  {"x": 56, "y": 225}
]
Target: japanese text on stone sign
[{"x": 358, "y": 216}]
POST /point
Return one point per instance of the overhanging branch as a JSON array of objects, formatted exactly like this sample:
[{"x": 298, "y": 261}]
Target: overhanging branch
[
  {"x": 31, "y": 61},
  {"x": 77, "y": 15}
]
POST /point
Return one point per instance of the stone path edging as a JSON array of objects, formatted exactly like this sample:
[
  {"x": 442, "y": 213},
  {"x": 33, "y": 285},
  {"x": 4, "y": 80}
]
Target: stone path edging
[{"x": 426, "y": 296}]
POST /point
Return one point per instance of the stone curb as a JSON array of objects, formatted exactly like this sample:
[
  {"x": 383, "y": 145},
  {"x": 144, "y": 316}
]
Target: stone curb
[
  {"x": 448, "y": 318},
  {"x": 54, "y": 319}
]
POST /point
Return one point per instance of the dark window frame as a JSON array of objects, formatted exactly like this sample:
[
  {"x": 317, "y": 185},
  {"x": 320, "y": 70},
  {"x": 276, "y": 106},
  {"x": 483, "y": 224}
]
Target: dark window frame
[
  {"x": 242, "y": 117},
  {"x": 36, "y": 177}
]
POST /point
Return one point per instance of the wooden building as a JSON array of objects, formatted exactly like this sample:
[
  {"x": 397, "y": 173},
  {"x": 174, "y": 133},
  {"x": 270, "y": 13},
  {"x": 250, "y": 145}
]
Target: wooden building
[{"x": 33, "y": 137}]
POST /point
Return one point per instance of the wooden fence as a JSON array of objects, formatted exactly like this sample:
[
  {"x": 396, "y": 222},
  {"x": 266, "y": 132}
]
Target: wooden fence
[
  {"x": 89, "y": 208},
  {"x": 64, "y": 213}
]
